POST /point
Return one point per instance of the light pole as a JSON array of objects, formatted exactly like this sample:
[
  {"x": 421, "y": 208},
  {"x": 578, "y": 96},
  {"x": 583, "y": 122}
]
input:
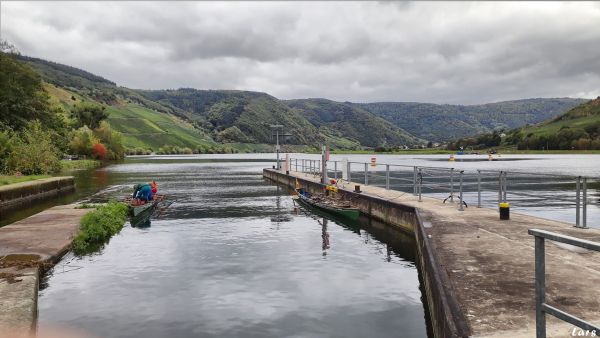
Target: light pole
[{"x": 276, "y": 127}]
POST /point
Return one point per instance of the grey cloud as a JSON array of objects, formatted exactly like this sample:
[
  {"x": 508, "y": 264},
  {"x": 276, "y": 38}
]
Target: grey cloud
[{"x": 355, "y": 51}]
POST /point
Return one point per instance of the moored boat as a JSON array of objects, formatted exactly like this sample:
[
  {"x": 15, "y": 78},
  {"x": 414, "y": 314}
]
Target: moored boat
[
  {"x": 136, "y": 208},
  {"x": 331, "y": 205}
]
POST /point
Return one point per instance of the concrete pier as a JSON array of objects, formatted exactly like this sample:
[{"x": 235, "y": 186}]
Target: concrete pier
[
  {"x": 27, "y": 247},
  {"x": 478, "y": 271}
]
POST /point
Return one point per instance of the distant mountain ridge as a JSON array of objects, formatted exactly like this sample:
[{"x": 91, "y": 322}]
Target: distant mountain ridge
[
  {"x": 243, "y": 117},
  {"x": 442, "y": 122}
]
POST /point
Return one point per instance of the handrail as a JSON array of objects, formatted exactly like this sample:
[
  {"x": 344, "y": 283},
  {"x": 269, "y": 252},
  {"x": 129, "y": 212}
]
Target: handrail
[
  {"x": 453, "y": 180},
  {"x": 541, "y": 307}
]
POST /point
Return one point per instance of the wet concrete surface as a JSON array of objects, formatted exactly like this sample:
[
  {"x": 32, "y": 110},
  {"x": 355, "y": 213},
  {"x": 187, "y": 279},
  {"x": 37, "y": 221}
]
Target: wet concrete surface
[
  {"x": 26, "y": 247},
  {"x": 490, "y": 265}
]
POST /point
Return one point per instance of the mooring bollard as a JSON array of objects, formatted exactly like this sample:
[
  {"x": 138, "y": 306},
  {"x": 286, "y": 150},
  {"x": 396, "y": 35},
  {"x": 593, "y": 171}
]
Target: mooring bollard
[{"x": 504, "y": 211}]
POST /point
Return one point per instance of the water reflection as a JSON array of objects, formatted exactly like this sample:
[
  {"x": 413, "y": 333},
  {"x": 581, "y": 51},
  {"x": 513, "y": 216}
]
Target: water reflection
[{"x": 233, "y": 257}]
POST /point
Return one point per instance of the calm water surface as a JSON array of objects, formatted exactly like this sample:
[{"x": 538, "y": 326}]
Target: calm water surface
[{"x": 235, "y": 257}]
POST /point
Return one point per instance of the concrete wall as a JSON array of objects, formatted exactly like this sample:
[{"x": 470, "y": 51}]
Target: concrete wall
[
  {"x": 446, "y": 318},
  {"x": 14, "y": 194}
]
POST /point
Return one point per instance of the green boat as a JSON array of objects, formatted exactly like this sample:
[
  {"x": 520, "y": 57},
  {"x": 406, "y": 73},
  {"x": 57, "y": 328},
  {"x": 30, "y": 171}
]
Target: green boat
[
  {"x": 328, "y": 205},
  {"x": 136, "y": 210}
]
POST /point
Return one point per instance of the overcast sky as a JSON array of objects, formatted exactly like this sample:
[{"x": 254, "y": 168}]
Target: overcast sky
[{"x": 348, "y": 51}]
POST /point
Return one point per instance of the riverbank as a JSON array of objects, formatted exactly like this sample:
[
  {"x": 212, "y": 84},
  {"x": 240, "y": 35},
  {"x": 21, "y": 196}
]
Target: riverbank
[
  {"x": 27, "y": 248},
  {"x": 478, "y": 271}
]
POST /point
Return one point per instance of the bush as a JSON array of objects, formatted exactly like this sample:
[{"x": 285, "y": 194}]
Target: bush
[
  {"x": 32, "y": 151},
  {"x": 98, "y": 226},
  {"x": 82, "y": 141},
  {"x": 113, "y": 140},
  {"x": 99, "y": 151}
]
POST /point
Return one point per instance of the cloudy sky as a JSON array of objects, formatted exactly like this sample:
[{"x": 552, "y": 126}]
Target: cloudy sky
[{"x": 354, "y": 51}]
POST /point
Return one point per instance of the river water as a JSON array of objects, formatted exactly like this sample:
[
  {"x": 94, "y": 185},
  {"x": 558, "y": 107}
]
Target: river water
[{"x": 234, "y": 257}]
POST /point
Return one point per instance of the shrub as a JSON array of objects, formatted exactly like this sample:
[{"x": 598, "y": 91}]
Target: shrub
[
  {"x": 99, "y": 151},
  {"x": 98, "y": 226},
  {"x": 82, "y": 141},
  {"x": 32, "y": 151}
]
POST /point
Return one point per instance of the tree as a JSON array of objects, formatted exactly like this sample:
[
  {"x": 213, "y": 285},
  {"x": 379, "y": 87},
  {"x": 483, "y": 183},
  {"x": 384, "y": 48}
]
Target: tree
[
  {"x": 22, "y": 95},
  {"x": 87, "y": 114}
]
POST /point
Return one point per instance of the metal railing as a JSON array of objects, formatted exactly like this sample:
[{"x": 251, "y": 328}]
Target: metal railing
[
  {"x": 466, "y": 187},
  {"x": 541, "y": 307}
]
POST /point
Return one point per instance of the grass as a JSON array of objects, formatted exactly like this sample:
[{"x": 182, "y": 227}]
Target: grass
[
  {"x": 6, "y": 179},
  {"x": 99, "y": 226},
  {"x": 79, "y": 164}
]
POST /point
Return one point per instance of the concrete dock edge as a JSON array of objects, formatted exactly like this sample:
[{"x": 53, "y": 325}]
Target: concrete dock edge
[
  {"x": 446, "y": 318},
  {"x": 14, "y": 194}
]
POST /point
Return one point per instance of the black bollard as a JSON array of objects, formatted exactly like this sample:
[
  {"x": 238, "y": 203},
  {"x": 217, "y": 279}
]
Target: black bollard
[
  {"x": 357, "y": 189},
  {"x": 504, "y": 211}
]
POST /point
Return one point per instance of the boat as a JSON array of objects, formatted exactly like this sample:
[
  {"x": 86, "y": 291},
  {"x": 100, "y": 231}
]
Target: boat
[
  {"x": 136, "y": 208},
  {"x": 330, "y": 205}
]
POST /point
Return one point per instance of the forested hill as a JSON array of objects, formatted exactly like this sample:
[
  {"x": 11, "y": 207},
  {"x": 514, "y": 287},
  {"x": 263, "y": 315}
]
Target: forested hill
[
  {"x": 348, "y": 120},
  {"x": 238, "y": 116},
  {"x": 444, "y": 122},
  {"x": 192, "y": 118}
]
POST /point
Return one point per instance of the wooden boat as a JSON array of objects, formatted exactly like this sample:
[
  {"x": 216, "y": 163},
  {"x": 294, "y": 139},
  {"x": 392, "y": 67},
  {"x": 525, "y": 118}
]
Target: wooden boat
[
  {"x": 136, "y": 208},
  {"x": 330, "y": 205}
]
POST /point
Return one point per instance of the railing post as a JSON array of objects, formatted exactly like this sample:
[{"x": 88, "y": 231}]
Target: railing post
[
  {"x": 415, "y": 181},
  {"x": 387, "y": 176},
  {"x": 505, "y": 181},
  {"x": 500, "y": 188},
  {"x": 584, "y": 209},
  {"x": 460, "y": 193},
  {"x": 348, "y": 170},
  {"x": 451, "y": 184},
  {"x": 479, "y": 188},
  {"x": 335, "y": 170},
  {"x": 302, "y": 165},
  {"x": 366, "y": 174},
  {"x": 577, "y": 200},
  {"x": 420, "y": 182},
  {"x": 540, "y": 287}
]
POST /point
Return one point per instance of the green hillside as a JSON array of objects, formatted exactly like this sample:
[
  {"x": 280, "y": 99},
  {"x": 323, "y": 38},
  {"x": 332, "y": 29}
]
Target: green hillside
[
  {"x": 141, "y": 127},
  {"x": 444, "y": 122},
  {"x": 351, "y": 122},
  {"x": 200, "y": 118},
  {"x": 579, "y": 128},
  {"x": 239, "y": 116}
]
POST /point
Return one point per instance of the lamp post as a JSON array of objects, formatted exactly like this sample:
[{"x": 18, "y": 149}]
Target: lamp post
[{"x": 276, "y": 127}]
